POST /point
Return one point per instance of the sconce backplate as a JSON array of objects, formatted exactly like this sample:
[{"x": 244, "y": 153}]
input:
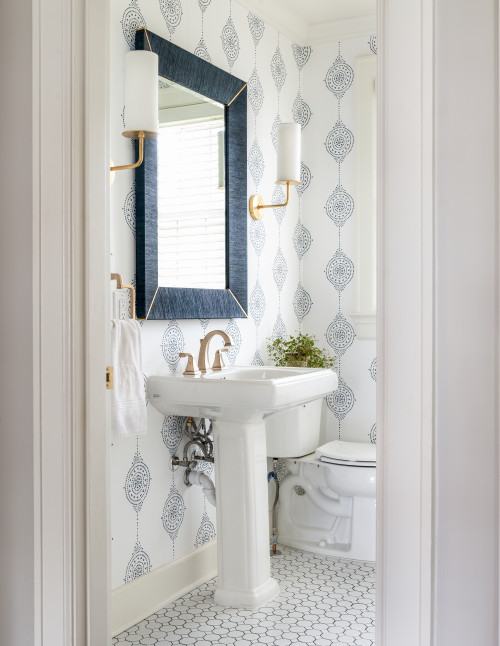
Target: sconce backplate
[{"x": 253, "y": 205}]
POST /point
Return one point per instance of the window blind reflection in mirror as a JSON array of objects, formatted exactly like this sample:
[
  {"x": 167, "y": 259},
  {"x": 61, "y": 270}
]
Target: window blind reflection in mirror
[{"x": 191, "y": 196}]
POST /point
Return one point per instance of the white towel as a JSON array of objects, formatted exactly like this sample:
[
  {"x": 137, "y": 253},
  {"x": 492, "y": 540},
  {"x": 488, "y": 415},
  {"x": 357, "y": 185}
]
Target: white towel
[{"x": 128, "y": 402}]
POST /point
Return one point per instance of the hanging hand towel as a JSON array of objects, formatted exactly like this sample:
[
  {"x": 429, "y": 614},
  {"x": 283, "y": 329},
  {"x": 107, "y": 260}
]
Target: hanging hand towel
[{"x": 128, "y": 402}]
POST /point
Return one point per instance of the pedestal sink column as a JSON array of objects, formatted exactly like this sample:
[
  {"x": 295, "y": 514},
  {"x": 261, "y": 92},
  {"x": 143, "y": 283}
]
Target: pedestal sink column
[{"x": 242, "y": 515}]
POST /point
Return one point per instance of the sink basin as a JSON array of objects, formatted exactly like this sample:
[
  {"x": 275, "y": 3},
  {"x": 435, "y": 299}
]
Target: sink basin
[
  {"x": 239, "y": 392},
  {"x": 238, "y": 400}
]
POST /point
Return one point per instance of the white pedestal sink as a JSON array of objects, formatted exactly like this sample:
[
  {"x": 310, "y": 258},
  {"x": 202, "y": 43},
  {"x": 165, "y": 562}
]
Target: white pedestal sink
[{"x": 239, "y": 399}]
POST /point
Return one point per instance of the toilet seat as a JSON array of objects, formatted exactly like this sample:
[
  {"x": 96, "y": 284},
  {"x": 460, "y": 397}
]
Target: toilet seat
[{"x": 358, "y": 454}]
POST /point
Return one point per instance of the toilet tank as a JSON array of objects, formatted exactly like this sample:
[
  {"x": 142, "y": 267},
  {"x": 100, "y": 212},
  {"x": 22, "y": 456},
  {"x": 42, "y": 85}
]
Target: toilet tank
[{"x": 294, "y": 432}]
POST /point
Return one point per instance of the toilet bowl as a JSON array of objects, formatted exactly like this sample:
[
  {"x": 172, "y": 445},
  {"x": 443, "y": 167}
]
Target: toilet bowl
[{"x": 327, "y": 507}]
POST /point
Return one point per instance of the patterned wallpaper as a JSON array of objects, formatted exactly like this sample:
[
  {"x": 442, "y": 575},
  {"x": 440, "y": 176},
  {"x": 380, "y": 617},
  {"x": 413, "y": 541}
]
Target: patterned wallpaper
[
  {"x": 299, "y": 259},
  {"x": 327, "y": 212}
]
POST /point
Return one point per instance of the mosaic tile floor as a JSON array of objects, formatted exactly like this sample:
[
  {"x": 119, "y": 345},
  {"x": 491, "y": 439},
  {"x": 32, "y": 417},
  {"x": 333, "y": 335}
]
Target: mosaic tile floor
[{"x": 323, "y": 601}]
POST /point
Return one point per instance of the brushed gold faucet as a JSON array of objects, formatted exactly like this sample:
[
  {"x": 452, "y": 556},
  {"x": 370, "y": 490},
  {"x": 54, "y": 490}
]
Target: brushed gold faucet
[{"x": 204, "y": 343}]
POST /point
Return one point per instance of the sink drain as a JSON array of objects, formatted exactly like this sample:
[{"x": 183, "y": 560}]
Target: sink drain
[{"x": 300, "y": 491}]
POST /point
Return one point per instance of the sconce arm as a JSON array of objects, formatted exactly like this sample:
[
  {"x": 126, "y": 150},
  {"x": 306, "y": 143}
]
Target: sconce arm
[
  {"x": 140, "y": 136},
  {"x": 255, "y": 204}
]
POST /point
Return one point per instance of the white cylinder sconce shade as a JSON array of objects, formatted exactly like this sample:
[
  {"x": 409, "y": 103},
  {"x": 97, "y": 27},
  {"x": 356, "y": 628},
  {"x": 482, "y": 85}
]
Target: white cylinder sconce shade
[
  {"x": 288, "y": 153},
  {"x": 141, "y": 94}
]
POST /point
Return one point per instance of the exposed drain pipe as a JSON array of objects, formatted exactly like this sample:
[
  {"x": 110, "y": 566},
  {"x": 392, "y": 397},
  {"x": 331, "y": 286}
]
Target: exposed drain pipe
[{"x": 201, "y": 479}]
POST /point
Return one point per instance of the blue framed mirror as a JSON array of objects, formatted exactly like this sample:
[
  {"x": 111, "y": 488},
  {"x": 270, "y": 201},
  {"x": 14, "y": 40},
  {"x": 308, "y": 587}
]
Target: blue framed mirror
[{"x": 191, "y": 229}]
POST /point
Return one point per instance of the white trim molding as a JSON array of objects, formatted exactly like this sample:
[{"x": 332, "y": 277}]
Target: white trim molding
[
  {"x": 140, "y": 598},
  {"x": 69, "y": 308},
  {"x": 405, "y": 323},
  {"x": 59, "y": 321},
  {"x": 342, "y": 29},
  {"x": 438, "y": 325},
  {"x": 97, "y": 321}
]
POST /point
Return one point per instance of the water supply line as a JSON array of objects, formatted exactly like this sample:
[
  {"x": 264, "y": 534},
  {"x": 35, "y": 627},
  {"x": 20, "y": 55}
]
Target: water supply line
[{"x": 273, "y": 475}]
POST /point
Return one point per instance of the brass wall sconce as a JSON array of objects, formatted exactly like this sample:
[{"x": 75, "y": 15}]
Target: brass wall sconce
[
  {"x": 141, "y": 100},
  {"x": 288, "y": 167}
]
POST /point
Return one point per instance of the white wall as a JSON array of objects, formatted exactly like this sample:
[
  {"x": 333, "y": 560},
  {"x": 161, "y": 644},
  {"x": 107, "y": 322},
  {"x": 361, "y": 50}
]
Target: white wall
[{"x": 17, "y": 509}]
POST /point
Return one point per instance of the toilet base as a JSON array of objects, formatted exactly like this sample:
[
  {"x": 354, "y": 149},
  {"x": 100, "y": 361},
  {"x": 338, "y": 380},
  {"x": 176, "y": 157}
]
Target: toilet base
[
  {"x": 362, "y": 548},
  {"x": 313, "y": 516}
]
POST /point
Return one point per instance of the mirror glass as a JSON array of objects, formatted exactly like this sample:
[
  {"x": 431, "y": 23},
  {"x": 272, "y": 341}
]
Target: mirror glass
[{"x": 191, "y": 196}]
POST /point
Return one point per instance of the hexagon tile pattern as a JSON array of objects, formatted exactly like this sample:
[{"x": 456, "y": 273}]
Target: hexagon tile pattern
[{"x": 323, "y": 601}]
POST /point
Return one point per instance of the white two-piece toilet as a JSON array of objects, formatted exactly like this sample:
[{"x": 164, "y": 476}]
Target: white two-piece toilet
[{"x": 327, "y": 500}]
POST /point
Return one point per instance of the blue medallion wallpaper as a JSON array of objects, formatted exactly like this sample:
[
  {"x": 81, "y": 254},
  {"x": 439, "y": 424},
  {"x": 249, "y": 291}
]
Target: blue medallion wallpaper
[{"x": 300, "y": 259}]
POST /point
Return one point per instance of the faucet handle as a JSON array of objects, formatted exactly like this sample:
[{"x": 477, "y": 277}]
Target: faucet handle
[
  {"x": 218, "y": 360},
  {"x": 191, "y": 367}
]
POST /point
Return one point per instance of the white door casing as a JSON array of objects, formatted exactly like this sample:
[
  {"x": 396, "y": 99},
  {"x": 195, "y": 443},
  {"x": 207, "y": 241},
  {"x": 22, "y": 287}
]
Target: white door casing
[
  {"x": 438, "y": 324},
  {"x": 71, "y": 314},
  {"x": 405, "y": 323},
  {"x": 98, "y": 317}
]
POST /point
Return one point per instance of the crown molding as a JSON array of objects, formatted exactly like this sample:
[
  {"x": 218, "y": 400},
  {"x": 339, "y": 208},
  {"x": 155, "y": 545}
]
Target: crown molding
[
  {"x": 286, "y": 22},
  {"x": 342, "y": 29}
]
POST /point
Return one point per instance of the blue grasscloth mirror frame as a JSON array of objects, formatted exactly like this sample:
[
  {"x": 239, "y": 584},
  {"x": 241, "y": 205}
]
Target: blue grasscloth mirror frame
[{"x": 153, "y": 302}]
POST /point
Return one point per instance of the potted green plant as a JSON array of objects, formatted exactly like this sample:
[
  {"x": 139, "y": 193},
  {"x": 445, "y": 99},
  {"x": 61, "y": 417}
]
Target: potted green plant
[{"x": 299, "y": 351}]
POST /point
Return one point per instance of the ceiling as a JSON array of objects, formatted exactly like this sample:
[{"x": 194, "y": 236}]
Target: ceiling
[{"x": 313, "y": 21}]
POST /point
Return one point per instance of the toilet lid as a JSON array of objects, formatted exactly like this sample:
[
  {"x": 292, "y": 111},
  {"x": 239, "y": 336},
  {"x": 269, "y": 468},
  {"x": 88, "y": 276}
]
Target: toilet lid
[{"x": 348, "y": 453}]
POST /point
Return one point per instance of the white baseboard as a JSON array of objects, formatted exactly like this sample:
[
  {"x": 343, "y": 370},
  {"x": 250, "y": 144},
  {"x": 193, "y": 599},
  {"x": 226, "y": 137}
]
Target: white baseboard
[{"x": 134, "y": 601}]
